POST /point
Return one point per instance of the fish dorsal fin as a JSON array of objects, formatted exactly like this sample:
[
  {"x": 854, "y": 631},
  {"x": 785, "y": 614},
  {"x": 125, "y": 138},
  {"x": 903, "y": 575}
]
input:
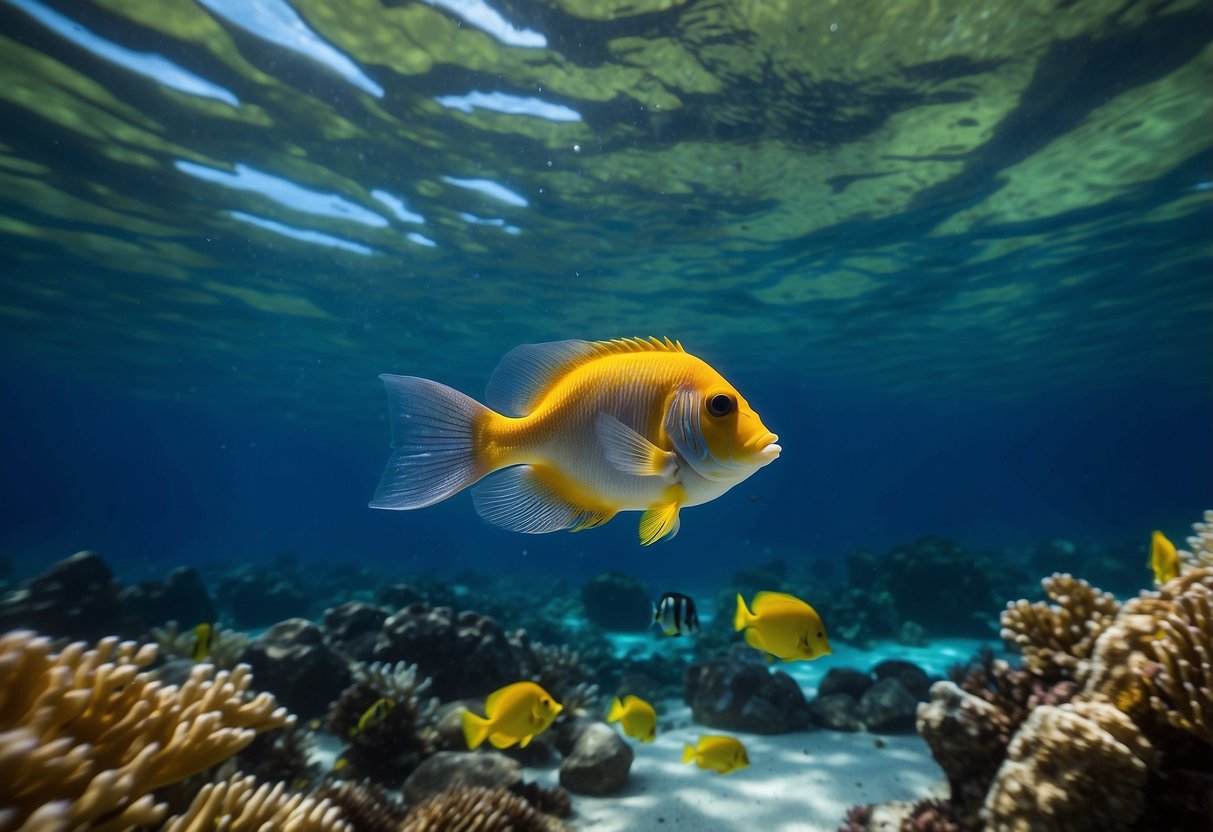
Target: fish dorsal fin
[
  {"x": 766, "y": 601},
  {"x": 490, "y": 704},
  {"x": 528, "y": 371}
]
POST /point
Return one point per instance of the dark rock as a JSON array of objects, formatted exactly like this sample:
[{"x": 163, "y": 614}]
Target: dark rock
[
  {"x": 568, "y": 728},
  {"x": 857, "y": 616},
  {"x": 447, "y": 769},
  {"x": 292, "y": 661},
  {"x": 466, "y": 655},
  {"x": 397, "y": 596},
  {"x": 599, "y": 762},
  {"x": 76, "y": 599},
  {"x": 353, "y": 628},
  {"x": 180, "y": 597},
  {"x": 256, "y": 597},
  {"x": 619, "y": 602},
  {"x": 848, "y": 680},
  {"x": 915, "y": 679},
  {"x": 740, "y": 696},
  {"x": 888, "y": 708},
  {"x": 836, "y": 711}
]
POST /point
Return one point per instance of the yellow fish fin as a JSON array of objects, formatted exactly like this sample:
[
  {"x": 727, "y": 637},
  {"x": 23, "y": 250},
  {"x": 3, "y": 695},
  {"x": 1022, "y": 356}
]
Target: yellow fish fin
[
  {"x": 742, "y": 618},
  {"x": 630, "y": 452},
  {"x": 616, "y": 712},
  {"x": 475, "y": 729},
  {"x": 688, "y": 753},
  {"x": 659, "y": 522},
  {"x": 532, "y": 499},
  {"x": 767, "y": 600},
  {"x": 501, "y": 740},
  {"x": 755, "y": 640},
  {"x": 526, "y": 741},
  {"x": 528, "y": 371}
]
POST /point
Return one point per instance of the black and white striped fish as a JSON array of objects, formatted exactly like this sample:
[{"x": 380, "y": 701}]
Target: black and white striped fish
[{"x": 676, "y": 615}]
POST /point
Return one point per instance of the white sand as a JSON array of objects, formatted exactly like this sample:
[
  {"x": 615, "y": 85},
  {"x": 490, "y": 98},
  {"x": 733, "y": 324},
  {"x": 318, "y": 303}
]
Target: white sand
[{"x": 800, "y": 782}]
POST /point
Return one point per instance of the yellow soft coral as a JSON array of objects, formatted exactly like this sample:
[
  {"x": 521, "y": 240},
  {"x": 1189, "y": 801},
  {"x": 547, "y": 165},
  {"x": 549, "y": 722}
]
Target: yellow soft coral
[{"x": 87, "y": 735}]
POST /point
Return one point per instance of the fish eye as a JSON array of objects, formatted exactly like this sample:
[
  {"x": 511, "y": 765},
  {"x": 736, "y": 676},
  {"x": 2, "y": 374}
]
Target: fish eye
[
  {"x": 820, "y": 634},
  {"x": 722, "y": 404}
]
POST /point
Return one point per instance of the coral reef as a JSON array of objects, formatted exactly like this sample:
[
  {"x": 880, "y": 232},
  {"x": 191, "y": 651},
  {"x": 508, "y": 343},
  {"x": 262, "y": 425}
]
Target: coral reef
[
  {"x": 225, "y": 649},
  {"x": 88, "y": 735},
  {"x": 366, "y": 806},
  {"x": 477, "y": 809},
  {"x": 292, "y": 660},
  {"x": 1057, "y": 640},
  {"x": 1199, "y": 554},
  {"x": 241, "y": 803}
]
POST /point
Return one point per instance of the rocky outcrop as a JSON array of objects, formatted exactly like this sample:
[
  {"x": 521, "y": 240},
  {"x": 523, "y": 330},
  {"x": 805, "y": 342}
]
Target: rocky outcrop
[
  {"x": 293, "y": 661},
  {"x": 743, "y": 696},
  {"x": 598, "y": 763}
]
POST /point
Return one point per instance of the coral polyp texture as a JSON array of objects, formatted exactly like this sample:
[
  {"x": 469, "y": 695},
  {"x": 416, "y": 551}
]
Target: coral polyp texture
[
  {"x": 477, "y": 809},
  {"x": 1108, "y": 724},
  {"x": 243, "y": 804},
  {"x": 86, "y": 735}
]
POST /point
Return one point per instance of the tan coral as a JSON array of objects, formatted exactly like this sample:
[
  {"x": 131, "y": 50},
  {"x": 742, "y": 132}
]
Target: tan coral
[
  {"x": 1057, "y": 640},
  {"x": 1181, "y": 689},
  {"x": 225, "y": 649},
  {"x": 1059, "y": 768},
  {"x": 87, "y": 735},
  {"x": 242, "y": 805},
  {"x": 477, "y": 809},
  {"x": 1199, "y": 554}
]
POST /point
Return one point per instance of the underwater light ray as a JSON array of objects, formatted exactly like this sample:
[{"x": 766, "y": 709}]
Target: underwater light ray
[
  {"x": 489, "y": 188},
  {"x": 396, "y": 205},
  {"x": 149, "y": 65},
  {"x": 285, "y": 193},
  {"x": 305, "y": 235},
  {"x": 514, "y": 105},
  {"x": 275, "y": 21},
  {"x": 484, "y": 17}
]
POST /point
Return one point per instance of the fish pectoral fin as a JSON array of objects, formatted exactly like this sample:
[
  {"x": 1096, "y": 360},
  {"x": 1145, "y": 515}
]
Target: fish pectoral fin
[
  {"x": 529, "y": 499},
  {"x": 659, "y": 523},
  {"x": 630, "y": 452}
]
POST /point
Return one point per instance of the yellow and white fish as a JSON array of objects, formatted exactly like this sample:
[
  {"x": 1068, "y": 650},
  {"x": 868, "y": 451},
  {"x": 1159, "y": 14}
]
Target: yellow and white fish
[
  {"x": 638, "y": 718},
  {"x": 579, "y": 431},
  {"x": 782, "y": 625},
  {"x": 514, "y": 714},
  {"x": 717, "y": 753}
]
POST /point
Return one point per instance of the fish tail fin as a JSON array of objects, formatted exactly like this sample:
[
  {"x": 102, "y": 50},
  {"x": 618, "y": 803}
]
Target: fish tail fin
[
  {"x": 688, "y": 753},
  {"x": 475, "y": 729},
  {"x": 434, "y": 430},
  {"x": 616, "y": 712},
  {"x": 743, "y": 617}
]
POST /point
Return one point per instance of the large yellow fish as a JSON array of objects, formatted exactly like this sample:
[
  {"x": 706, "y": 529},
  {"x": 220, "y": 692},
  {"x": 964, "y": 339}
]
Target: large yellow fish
[
  {"x": 583, "y": 430},
  {"x": 513, "y": 714},
  {"x": 783, "y": 626},
  {"x": 1163, "y": 559},
  {"x": 717, "y": 753},
  {"x": 638, "y": 718}
]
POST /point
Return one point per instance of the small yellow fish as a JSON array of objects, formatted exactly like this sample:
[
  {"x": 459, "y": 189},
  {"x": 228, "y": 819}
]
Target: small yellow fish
[
  {"x": 783, "y": 626},
  {"x": 204, "y": 640},
  {"x": 1163, "y": 559},
  {"x": 373, "y": 715},
  {"x": 718, "y": 753},
  {"x": 579, "y": 431},
  {"x": 638, "y": 718},
  {"x": 514, "y": 714},
  {"x": 341, "y": 763}
]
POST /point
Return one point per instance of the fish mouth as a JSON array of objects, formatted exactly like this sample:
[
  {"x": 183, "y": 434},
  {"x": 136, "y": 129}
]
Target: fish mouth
[{"x": 767, "y": 448}]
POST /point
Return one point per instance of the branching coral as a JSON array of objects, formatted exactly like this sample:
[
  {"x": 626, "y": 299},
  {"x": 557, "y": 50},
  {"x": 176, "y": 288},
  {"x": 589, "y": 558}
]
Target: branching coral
[
  {"x": 367, "y": 807},
  {"x": 224, "y": 649},
  {"x": 1199, "y": 554},
  {"x": 87, "y": 735},
  {"x": 241, "y": 805},
  {"x": 1057, "y": 640},
  {"x": 398, "y": 682},
  {"x": 1181, "y": 690},
  {"x": 477, "y": 809}
]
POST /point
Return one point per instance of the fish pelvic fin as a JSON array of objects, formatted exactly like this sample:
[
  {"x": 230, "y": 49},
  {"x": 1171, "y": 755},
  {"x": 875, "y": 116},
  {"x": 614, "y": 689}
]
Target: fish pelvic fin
[
  {"x": 434, "y": 436},
  {"x": 475, "y": 729},
  {"x": 616, "y": 712},
  {"x": 659, "y": 523},
  {"x": 535, "y": 499},
  {"x": 742, "y": 618},
  {"x": 688, "y": 754}
]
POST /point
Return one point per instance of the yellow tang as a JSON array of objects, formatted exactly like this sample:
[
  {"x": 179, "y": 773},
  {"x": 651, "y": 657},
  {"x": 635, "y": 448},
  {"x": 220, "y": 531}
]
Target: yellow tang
[
  {"x": 204, "y": 641},
  {"x": 579, "y": 430},
  {"x": 718, "y": 753},
  {"x": 1163, "y": 559},
  {"x": 373, "y": 715},
  {"x": 638, "y": 718},
  {"x": 783, "y": 626},
  {"x": 515, "y": 714}
]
